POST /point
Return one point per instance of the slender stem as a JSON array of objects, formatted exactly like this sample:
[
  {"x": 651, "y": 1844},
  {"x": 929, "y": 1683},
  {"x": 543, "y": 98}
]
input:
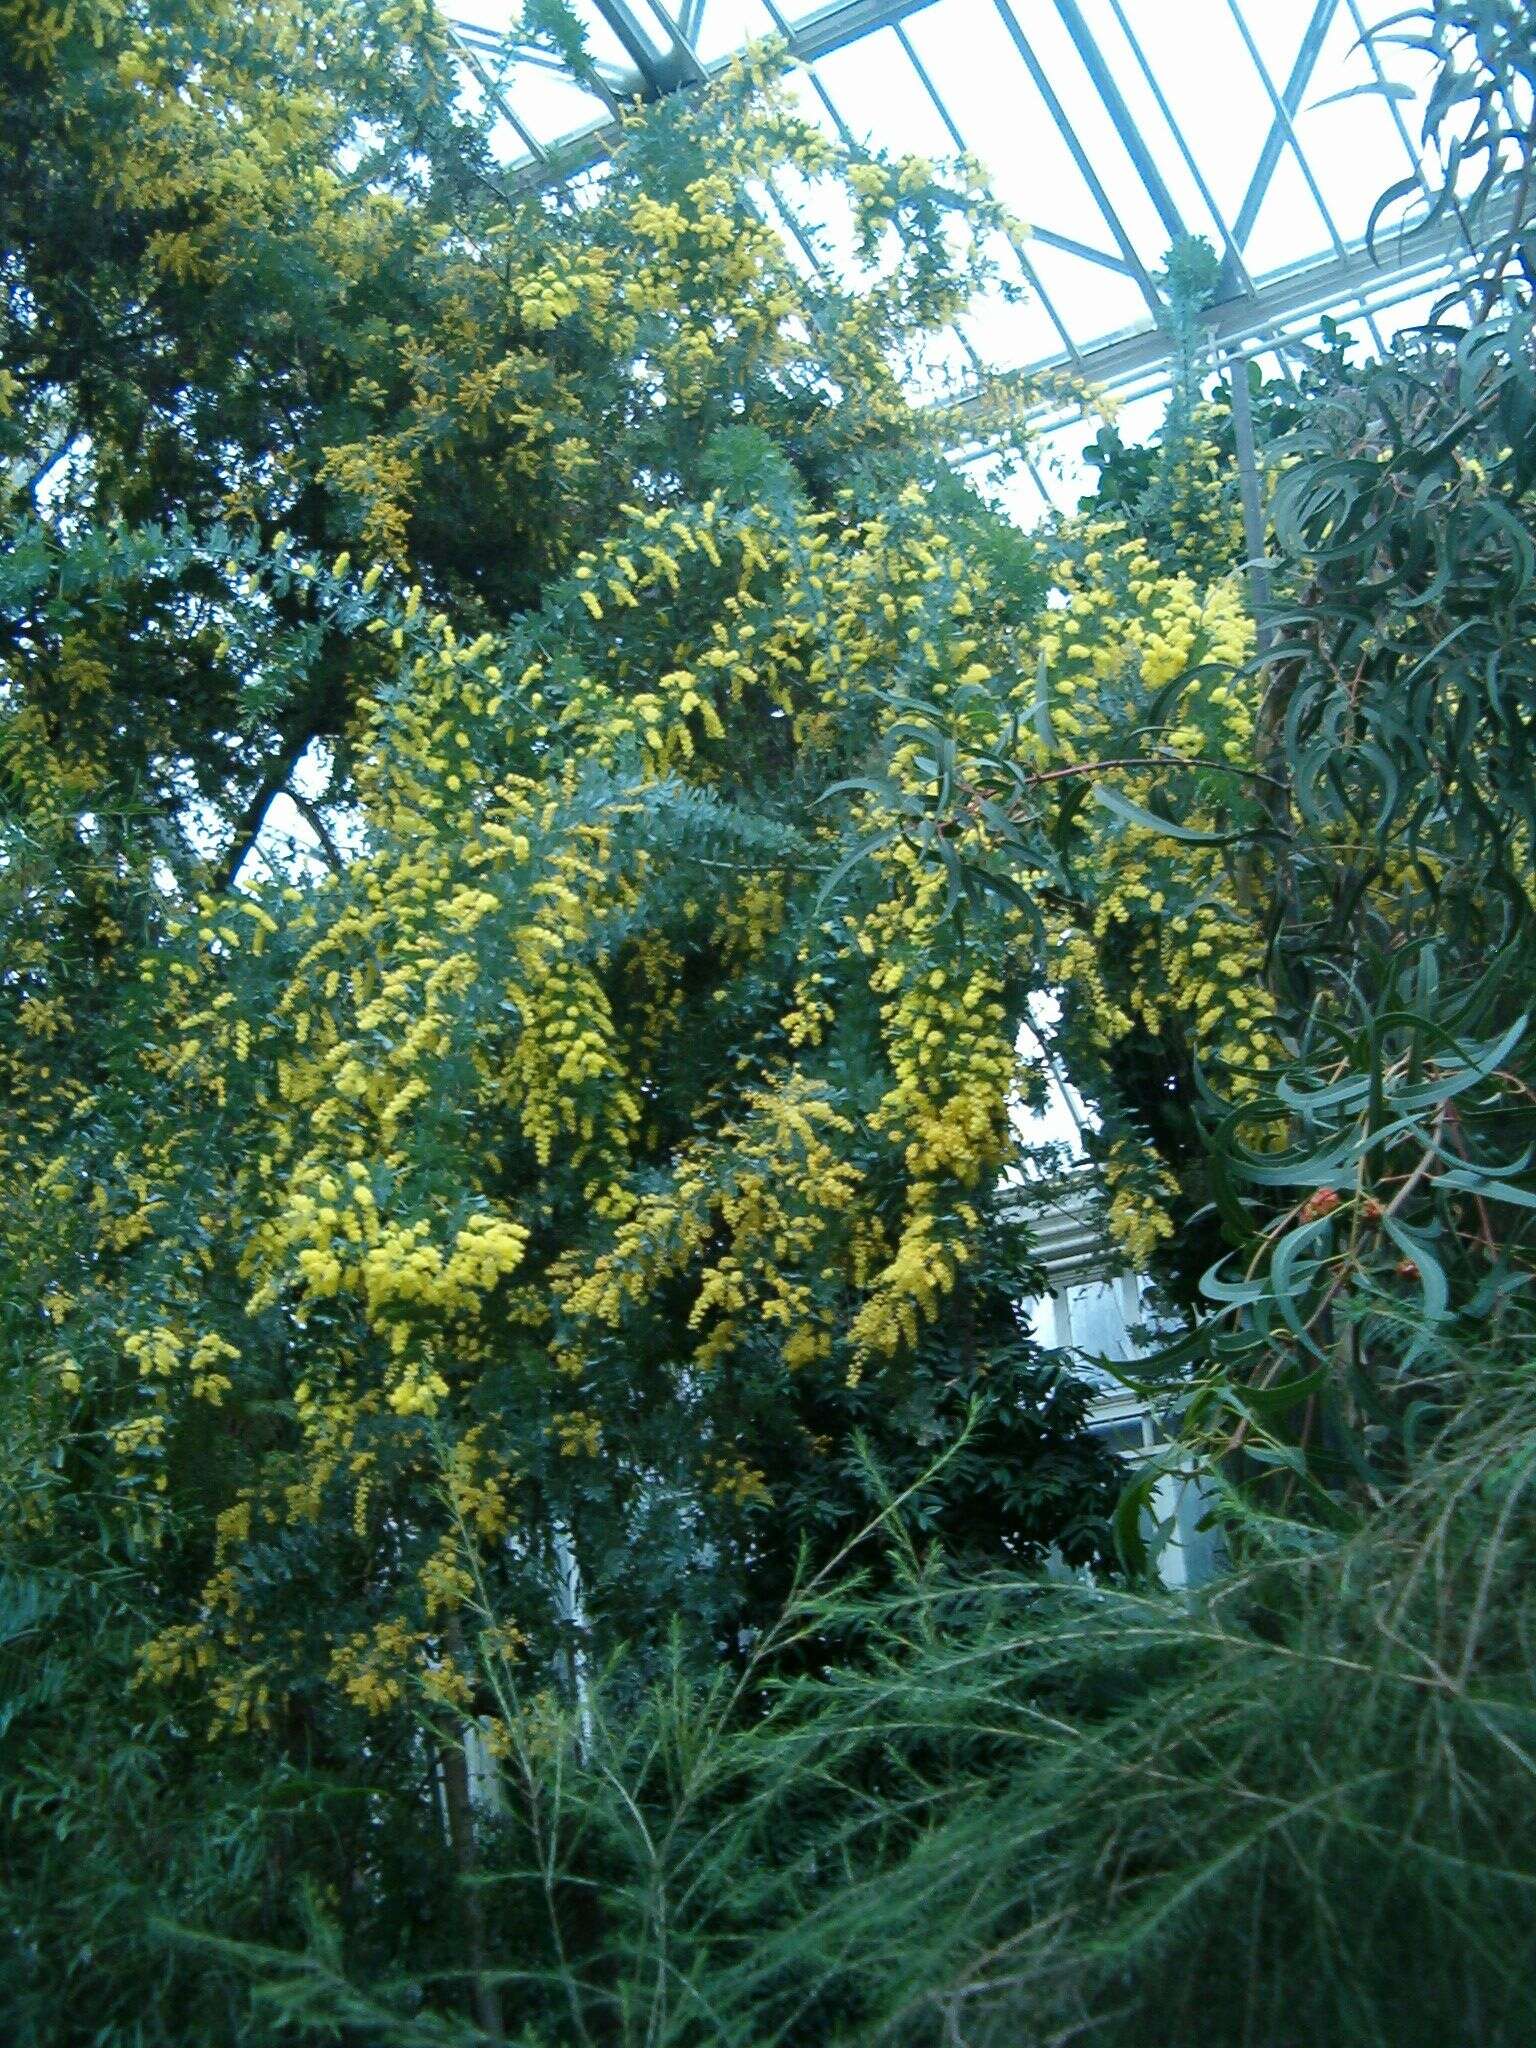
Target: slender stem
[{"x": 1155, "y": 761}]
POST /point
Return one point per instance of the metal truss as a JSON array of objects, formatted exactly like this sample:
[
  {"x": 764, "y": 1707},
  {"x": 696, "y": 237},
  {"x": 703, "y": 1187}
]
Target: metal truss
[{"x": 661, "y": 41}]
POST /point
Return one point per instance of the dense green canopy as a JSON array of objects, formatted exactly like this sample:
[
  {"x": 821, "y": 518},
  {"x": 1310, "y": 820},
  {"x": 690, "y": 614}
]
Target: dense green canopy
[{"x": 535, "y": 808}]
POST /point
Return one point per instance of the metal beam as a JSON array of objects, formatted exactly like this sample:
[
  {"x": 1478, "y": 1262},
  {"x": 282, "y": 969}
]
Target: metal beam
[
  {"x": 1080, "y": 157},
  {"x": 1283, "y": 114},
  {"x": 1084, "y": 251},
  {"x": 1274, "y": 142},
  {"x": 649, "y": 71},
  {"x": 1254, "y": 326},
  {"x": 831, "y": 28},
  {"x": 1234, "y": 271},
  {"x": 1120, "y": 114},
  {"x": 677, "y": 36}
]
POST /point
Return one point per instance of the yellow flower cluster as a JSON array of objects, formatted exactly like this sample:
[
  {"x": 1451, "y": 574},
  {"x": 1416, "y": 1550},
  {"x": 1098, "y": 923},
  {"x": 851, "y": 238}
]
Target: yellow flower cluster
[
  {"x": 372, "y": 1668},
  {"x": 479, "y": 1485},
  {"x": 909, "y": 1289},
  {"x": 735, "y": 1480},
  {"x": 403, "y": 1266},
  {"x": 576, "y": 1434},
  {"x": 773, "y": 1185},
  {"x": 561, "y": 1049},
  {"x": 1162, "y": 941}
]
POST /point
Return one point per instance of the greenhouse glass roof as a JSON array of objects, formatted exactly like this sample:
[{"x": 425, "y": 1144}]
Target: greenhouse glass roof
[{"x": 1113, "y": 127}]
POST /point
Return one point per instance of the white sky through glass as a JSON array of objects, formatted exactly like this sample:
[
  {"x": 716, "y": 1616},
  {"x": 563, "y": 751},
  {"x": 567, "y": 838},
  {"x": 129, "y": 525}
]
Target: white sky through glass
[{"x": 1107, "y": 125}]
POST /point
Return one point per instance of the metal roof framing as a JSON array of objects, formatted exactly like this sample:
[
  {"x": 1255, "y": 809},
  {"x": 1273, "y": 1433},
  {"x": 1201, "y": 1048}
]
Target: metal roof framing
[
  {"x": 1109, "y": 92},
  {"x": 1135, "y": 365},
  {"x": 1234, "y": 270},
  {"x": 661, "y": 45},
  {"x": 1285, "y": 105},
  {"x": 1080, "y": 156}
]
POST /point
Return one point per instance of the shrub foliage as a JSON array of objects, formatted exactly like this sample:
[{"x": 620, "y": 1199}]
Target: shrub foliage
[{"x": 535, "y": 810}]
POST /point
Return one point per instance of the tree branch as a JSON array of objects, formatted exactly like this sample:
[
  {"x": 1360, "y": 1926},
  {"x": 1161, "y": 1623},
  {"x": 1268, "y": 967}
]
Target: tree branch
[
  {"x": 310, "y": 813},
  {"x": 254, "y": 816}
]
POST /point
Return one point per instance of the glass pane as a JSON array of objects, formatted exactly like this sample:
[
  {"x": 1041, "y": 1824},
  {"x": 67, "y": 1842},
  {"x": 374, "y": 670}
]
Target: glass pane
[
  {"x": 727, "y": 25},
  {"x": 1039, "y": 1316},
  {"x": 1289, "y": 229},
  {"x": 969, "y": 55},
  {"x": 882, "y": 98},
  {"x": 1219, "y": 113},
  {"x": 1091, "y": 123},
  {"x": 1211, "y": 87},
  {"x": 1093, "y": 302},
  {"x": 1156, "y": 133},
  {"x": 1098, "y": 1319}
]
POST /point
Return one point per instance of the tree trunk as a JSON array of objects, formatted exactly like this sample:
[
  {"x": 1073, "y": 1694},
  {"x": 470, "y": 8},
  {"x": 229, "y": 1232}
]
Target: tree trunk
[{"x": 461, "y": 1836}]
